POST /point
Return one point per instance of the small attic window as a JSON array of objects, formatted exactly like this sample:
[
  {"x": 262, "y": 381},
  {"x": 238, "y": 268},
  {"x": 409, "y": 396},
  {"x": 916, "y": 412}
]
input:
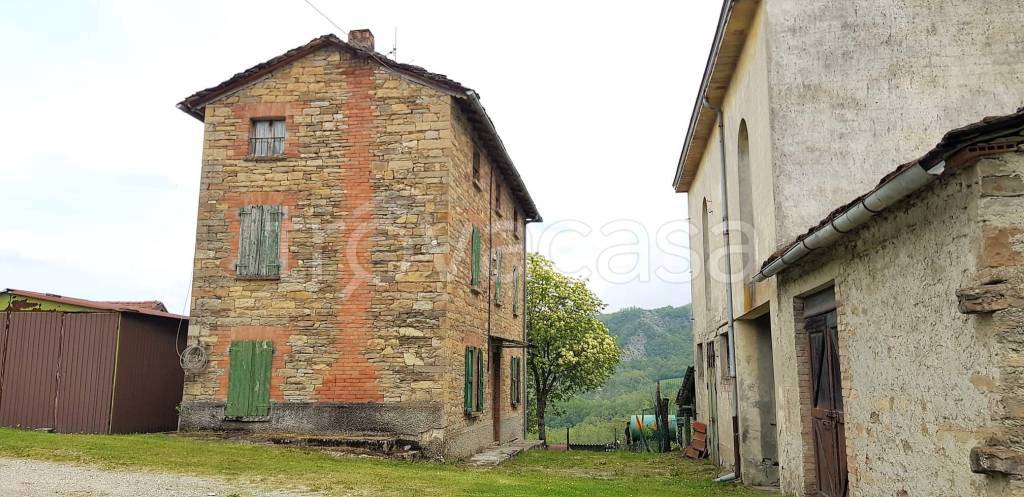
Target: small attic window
[
  {"x": 266, "y": 138},
  {"x": 476, "y": 167}
]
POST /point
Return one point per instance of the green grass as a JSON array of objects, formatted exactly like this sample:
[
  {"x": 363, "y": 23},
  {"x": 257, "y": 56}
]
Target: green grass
[{"x": 536, "y": 473}]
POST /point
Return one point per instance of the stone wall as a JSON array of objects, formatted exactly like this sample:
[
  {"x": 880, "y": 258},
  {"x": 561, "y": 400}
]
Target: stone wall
[
  {"x": 922, "y": 382},
  {"x": 475, "y": 313},
  {"x": 373, "y": 251},
  {"x": 746, "y": 102},
  {"x": 995, "y": 300}
]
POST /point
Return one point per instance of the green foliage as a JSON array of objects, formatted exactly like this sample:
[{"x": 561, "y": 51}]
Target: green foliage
[
  {"x": 657, "y": 344},
  {"x": 571, "y": 351}
]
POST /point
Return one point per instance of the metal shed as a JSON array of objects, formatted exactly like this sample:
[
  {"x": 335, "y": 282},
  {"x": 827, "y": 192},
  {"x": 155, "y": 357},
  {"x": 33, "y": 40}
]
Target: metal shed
[{"x": 82, "y": 366}]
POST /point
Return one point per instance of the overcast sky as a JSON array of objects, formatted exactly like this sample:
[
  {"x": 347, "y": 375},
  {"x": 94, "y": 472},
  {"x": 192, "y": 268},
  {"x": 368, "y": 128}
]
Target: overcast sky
[{"x": 101, "y": 171}]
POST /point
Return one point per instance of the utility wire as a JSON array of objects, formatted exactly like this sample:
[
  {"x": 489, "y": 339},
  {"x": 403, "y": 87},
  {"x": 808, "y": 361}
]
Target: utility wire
[{"x": 318, "y": 11}]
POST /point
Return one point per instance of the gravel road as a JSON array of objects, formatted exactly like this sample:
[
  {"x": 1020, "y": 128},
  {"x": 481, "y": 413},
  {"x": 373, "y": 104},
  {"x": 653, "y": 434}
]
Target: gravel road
[{"x": 25, "y": 478}]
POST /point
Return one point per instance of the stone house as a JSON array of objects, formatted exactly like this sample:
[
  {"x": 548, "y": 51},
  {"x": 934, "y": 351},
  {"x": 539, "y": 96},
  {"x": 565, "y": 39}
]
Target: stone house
[
  {"x": 360, "y": 254},
  {"x": 802, "y": 107}
]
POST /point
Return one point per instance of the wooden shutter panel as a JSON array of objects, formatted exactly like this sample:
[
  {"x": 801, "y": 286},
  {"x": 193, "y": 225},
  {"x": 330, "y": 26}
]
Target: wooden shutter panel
[
  {"x": 512, "y": 380},
  {"x": 250, "y": 220},
  {"x": 262, "y": 357},
  {"x": 515, "y": 291},
  {"x": 249, "y": 378},
  {"x": 270, "y": 242},
  {"x": 468, "y": 387},
  {"x": 239, "y": 355},
  {"x": 475, "y": 278},
  {"x": 480, "y": 383},
  {"x": 497, "y": 277}
]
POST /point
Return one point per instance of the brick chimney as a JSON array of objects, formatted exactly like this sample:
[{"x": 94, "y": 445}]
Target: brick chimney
[{"x": 361, "y": 37}]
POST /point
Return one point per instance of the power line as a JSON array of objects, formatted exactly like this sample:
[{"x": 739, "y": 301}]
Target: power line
[{"x": 318, "y": 11}]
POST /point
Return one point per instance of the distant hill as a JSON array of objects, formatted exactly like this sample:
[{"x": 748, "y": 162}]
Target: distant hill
[{"x": 657, "y": 344}]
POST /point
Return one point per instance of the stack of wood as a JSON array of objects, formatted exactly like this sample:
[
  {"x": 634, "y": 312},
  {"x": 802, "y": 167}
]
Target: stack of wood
[{"x": 698, "y": 448}]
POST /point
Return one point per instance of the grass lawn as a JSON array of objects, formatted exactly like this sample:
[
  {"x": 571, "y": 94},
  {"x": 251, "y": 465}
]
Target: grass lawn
[{"x": 536, "y": 473}]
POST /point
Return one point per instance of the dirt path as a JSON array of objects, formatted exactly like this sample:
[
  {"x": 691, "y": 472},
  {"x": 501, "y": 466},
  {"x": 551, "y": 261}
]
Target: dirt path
[{"x": 25, "y": 478}]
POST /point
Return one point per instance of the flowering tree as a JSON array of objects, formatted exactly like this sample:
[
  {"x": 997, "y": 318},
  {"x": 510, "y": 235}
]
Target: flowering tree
[{"x": 571, "y": 351}]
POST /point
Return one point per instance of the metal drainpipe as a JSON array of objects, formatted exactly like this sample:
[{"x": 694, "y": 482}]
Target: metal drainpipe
[
  {"x": 526, "y": 347},
  {"x": 730, "y": 329}
]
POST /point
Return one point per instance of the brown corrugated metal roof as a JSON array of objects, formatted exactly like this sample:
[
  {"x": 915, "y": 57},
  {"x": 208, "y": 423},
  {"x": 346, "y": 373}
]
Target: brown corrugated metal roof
[
  {"x": 952, "y": 143},
  {"x": 150, "y": 308},
  {"x": 152, "y": 305},
  {"x": 467, "y": 99}
]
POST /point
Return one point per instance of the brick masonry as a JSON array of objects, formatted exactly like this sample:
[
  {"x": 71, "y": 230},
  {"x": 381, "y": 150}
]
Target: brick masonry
[{"x": 373, "y": 307}]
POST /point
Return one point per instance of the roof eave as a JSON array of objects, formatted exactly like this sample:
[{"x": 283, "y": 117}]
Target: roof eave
[
  {"x": 727, "y": 34},
  {"x": 195, "y": 104}
]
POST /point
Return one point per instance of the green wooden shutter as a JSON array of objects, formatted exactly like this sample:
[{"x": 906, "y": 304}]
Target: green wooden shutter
[
  {"x": 270, "y": 241},
  {"x": 475, "y": 279},
  {"x": 515, "y": 292},
  {"x": 497, "y": 277},
  {"x": 239, "y": 357},
  {"x": 263, "y": 353},
  {"x": 512, "y": 381},
  {"x": 249, "y": 378},
  {"x": 250, "y": 220},
  {"x": 468, "y": 387},
  {"x": 480, "y": 380}
]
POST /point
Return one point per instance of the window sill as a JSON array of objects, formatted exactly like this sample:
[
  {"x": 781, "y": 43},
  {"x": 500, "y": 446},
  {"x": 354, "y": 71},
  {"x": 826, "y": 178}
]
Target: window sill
[
  {"x": 264, "y": 158},
  {"x": 476, "y": 184},
  {"x": 498, "y": 213},
  {"x": 476, "y": 290},
  {"x": 474, "y": 414},
  {"x": 248, "y": 419},
  {"x": 258, "y": 278}
]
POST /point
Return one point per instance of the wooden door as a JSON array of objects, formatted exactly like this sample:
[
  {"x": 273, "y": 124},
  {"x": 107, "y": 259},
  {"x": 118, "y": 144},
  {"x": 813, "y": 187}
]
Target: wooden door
[{"x": 827, "y": 419}]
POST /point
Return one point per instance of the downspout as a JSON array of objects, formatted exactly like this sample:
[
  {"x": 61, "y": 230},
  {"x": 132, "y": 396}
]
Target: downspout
[
  {"x": 526, "y": 341},
  {"x": 730, "y": 319}
]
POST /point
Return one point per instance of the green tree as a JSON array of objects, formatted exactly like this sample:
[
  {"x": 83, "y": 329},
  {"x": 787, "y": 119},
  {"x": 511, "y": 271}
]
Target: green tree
[{"x": 571, "y": 350}]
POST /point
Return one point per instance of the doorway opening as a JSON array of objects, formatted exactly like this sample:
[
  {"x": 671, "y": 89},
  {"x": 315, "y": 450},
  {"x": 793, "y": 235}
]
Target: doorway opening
[{"x": 759, "y": 440}]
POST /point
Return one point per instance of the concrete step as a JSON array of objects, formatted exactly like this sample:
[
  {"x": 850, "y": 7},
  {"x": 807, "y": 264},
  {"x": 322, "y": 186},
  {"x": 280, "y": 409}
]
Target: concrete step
[{"x": 500, "y": 453}]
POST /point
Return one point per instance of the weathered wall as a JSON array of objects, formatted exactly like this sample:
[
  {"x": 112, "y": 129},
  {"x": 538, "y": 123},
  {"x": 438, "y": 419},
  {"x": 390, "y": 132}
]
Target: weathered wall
[
  {"x": 995, "y": 302},
  {"x": 746, "y": 101},
  {"x": 474, "y": 313},
  {"x": 373, "y": 308},
  {"x": 357, "y": 308},
  {"x": 857, "y": 86},
  {"x": 918, "y": 378}
]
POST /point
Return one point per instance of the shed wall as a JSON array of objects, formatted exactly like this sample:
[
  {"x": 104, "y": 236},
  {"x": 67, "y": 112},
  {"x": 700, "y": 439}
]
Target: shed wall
[
  {"x": 58, "y": 371},
  {"x": 148, "y": 379}
]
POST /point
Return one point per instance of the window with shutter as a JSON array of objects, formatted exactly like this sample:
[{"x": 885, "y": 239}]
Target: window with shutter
[
  {"x": 249, "y": 378},
  {"x": 497, "y": 277},
  {"x": 476, "y": 168},
  {"x": 514, "y": 387},
  {"x": 259, "y": 242},
  {"x": 475, "y": 278},
  {"x": 266, "y": 138},
  {"x": 480, "y": 383},
  {"x": 515, "y": 291},
  {"x": 467, "y": 404}
]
